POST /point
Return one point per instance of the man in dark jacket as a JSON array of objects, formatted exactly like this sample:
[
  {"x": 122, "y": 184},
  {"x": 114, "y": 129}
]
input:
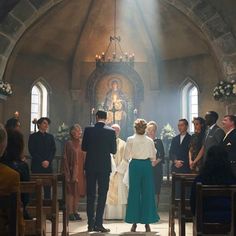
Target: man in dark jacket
[
  {"x": 229, "y": 141},
  {"x": 99, "y": 142},
  {"x": 179, "y": 149},
  {"x": 42, "y": 150}
]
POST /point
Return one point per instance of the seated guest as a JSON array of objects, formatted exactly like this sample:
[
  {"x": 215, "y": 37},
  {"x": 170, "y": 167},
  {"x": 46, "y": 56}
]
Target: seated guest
[
  {"x": 12, "y": 123},
  {"x": 216, "y": 170},
  {"x": 9, "y": 183},
  {"x": 15, "y": 159}
]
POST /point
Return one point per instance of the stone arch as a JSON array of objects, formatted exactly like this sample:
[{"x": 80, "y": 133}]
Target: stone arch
[
  {"x": 206, "y": 17},
  {"x": 113, "y": 68},
  {"x": 24, "y": 14},
  {"x": 215, "y": 29}
]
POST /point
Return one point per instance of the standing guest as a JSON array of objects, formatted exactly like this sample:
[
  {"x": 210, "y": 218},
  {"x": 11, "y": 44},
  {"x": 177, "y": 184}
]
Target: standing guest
[
  {"x": 42, "y": 149},
  {"x": 229, "y": 141},
  {"x": 15, "y": 159},
  {"x": 9, "y": 183},
  {"x": 179, "y": 149},
  {"x": 118, "y": 192},
  {"x": 215, "y": 171},
  {"x": 99, "y": 142},
  {"x": 12, "y": 123},
  {"x": 74, "y": 171},
  {"x": 214, "y": 134},
  {"x": 196, "y": 142},
  {"x": 141, "y": 207},
  {"x": 160, "y": 155}
]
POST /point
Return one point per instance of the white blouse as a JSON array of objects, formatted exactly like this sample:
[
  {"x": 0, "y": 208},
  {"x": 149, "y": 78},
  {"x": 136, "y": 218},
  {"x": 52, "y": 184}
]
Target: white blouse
[{"x": 140, "y": 147}]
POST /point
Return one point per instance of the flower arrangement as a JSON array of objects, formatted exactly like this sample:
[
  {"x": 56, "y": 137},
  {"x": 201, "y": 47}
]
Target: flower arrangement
[
  {"x": 167, "y": 132},
  {"x": 63, "y": 133},
  {"x": 224, "y": 90},
  {"x": 5, "y": 88}
]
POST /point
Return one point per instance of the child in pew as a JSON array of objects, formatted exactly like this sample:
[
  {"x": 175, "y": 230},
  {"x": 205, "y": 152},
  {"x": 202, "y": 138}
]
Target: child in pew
[
  {"x": 15, "y": 159},
  {"x": 73, "y": 169},
  {"x": 215, "y": 171}
]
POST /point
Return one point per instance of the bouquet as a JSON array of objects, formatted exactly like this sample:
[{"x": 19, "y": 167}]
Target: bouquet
[
  {"x": 167, "y": 133},
  {"x": 63, "y": 133},
  {"x": 224, "y": 90},
  {"x": 5, "y": 88}
]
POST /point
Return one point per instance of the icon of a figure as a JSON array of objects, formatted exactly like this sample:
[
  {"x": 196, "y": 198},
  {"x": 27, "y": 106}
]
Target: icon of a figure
[{"x": 115, "y": 104}]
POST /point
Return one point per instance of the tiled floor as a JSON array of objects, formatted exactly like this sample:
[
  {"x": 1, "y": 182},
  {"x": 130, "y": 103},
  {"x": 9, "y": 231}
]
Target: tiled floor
[{"x": 79, "y": 228}]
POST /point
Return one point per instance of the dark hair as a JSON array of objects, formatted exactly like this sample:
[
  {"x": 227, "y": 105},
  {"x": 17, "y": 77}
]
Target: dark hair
[
  {"x": 216, "y": 169},
  {"x": 202, "y": 123},
  {"x": 40, "y": 121},
  {"x": 232, "y": 118},
  {"x": 12, "y": 123},
  {"x": 184, "y": 120},
  {"x": 15, "y": 146},
  {"x": 101, "y": 114},
  {"x": 214, "y": 115}
]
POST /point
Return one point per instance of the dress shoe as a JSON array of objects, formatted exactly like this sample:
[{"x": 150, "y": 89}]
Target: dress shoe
[
  {"x": 133, "y": 228},
  {"x": 147, "y": 227},
  {"x": 101, "y": 229},
  {"x": 77, "y": 216},
  {"x": 90, "y": 228}
]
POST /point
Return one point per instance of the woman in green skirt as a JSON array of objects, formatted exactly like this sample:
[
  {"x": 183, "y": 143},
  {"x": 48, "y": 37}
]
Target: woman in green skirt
[{"x": 141, "y": 207}]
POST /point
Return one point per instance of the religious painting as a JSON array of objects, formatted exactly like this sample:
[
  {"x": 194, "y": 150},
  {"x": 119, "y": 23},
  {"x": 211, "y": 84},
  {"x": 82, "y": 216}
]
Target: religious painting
[{"x": 114, "y": 94}]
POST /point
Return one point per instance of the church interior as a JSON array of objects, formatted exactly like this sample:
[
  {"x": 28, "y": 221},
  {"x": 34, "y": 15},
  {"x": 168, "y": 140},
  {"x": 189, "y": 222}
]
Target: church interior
[{"x": 159, "y": 60}]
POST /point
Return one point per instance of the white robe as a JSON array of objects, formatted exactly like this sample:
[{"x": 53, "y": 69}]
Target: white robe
[{"x": 118, "y": 192}]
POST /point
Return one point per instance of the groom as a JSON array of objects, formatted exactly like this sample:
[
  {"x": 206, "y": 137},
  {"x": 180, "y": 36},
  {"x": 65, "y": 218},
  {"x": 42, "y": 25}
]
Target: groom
[{"x": 99, "y": 142}]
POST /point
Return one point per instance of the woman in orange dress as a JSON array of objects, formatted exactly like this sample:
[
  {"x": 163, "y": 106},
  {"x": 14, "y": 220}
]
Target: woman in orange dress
[{"x": 74, "y": 159}]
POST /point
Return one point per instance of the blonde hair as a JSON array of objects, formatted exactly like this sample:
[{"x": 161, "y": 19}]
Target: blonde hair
[
  {"x": 75, "y": 126},
  {"x": 152, "y": 124},
  {"x": 140, "y": 126}
]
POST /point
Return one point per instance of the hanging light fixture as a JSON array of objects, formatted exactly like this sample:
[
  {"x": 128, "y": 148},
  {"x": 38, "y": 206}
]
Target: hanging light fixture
[{"x": 114, "y": 52}]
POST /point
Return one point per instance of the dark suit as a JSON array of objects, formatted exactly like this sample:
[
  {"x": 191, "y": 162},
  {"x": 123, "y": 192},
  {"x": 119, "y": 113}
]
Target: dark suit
[
  {"x": 179, "y": 151},
  {"x": 99, "y": 142},
  {"x": 213, "y": 137},
  {"x": 229, "y": 143}
]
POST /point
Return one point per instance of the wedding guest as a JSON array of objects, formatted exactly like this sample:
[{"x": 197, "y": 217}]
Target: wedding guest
[
  {"x": 15, "y": 159},
  {"x": 160, "y": 155},
  {"x": 42, "y": 149},
  {"x": 179, "y": 149},
  {"x": 196, "y": 142},
  {"x": 73, "y": 162},
  {"x": 229, "y": 141},
  {"x": 9, "y": 183},
  {"x": 118, "y": 193},
  {"x": 12, "y": 123},
  {"x": 216, "y": 170},
  {"x": 141, "y": 207}
]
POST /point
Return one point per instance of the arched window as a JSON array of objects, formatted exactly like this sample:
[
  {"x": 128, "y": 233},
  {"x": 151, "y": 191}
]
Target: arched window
[
  {"x": 39, "y": 102},
  {"x": 190, "y": 103}
]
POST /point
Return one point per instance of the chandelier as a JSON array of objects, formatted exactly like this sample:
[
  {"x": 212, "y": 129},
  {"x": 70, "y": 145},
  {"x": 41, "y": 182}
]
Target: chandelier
[{"x": 114, "y": 52}]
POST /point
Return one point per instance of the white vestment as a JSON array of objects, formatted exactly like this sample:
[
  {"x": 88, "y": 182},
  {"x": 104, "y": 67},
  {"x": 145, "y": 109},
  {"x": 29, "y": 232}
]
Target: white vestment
[{"x": 118, "y": 192}]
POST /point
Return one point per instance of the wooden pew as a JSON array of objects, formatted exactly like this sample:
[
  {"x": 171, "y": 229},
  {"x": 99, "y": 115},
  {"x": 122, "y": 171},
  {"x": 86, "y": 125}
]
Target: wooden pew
[
  {"x": 50, "y": 206},
  {"x": 9, "y": 205},
  {"x": 55, "y": 203},
  {"x": 185, "y": 214},
  {"x": 214, "y": 228},
  {"x": 175, "y": 200},
  {"x": 36, "y": 226}
]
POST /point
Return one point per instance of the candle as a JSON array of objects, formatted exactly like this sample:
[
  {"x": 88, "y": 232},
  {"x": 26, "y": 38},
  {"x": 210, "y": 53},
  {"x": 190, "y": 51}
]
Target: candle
[
  {"x": 16, "y": 114},
  {"x": 92, "y": 111},
  {"x": 135, "y": 111}
]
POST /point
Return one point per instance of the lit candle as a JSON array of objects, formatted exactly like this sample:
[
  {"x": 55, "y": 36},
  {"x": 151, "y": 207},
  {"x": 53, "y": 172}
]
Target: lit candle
[
  {"x": 92, "y": 111},
  {"x": 135, "y": 111},
  {"x": 16, "y": 114}
]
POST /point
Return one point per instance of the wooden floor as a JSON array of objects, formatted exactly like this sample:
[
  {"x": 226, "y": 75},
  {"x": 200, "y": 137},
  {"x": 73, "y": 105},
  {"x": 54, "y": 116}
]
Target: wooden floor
[{"x": 79, "y": 228}]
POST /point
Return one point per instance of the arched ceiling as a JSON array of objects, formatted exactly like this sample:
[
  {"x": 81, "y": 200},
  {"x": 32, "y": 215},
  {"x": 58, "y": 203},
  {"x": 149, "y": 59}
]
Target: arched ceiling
[{"x": 85, "y": 26}]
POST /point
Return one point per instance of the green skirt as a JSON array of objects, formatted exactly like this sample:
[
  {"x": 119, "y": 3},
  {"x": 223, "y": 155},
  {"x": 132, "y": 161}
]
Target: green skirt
[{"x": 141, "y": 207}]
